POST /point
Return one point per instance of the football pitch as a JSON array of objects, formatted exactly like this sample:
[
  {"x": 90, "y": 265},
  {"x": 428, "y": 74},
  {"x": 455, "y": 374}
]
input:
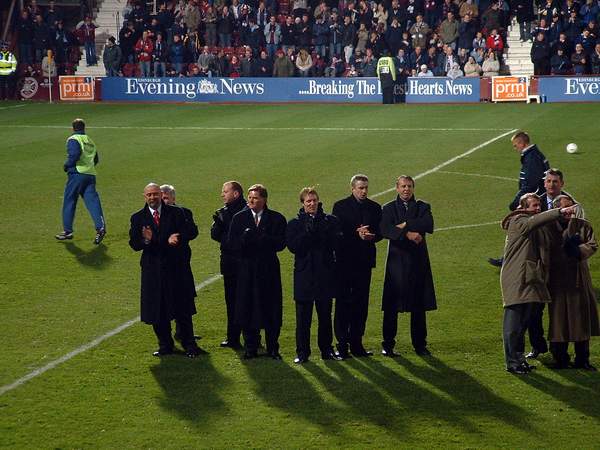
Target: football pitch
[{"x": 77, "y": 369}]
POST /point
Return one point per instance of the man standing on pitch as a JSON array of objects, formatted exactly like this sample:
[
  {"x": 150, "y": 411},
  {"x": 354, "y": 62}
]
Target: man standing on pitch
[
  {"x": 233, "y": 200},
  {"x": 80, "y": 166},
  {"x": 408, "y": 285},
  {"x": 359, "y": 220},
  {"x": 258, "y": 234},
  {"x": 160, "y": 231}
]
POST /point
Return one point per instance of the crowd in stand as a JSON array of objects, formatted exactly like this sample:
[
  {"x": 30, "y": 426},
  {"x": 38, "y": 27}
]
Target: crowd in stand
[{"x": 263, "y": 38}]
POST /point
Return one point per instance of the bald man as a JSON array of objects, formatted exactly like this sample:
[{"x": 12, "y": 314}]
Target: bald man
[{"x": 161, "y": 233}]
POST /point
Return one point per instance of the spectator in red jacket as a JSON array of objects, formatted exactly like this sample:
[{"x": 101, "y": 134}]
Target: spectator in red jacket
[
  {"x": 144, "y": 49},
  {"x": 87, "y": 35}
]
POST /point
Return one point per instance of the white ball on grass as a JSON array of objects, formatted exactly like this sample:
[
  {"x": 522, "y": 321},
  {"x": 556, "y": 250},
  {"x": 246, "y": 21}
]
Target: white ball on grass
[{"x": 572, "y": 148}]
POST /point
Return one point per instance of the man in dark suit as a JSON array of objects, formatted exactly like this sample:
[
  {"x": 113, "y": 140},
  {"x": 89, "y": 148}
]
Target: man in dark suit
[
  {"x": 359, "y": 220},
  {"x": 233, "y": 200},
  {"x": 313, "y": 238},
  {"x": 408, "y": 285},
  {"x": 257, "y": 233},
  {"x": 161, "y": 232}
]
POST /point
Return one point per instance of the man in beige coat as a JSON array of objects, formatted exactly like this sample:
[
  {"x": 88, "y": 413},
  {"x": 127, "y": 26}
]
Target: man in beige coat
[
  {"x": 524, "y": 273},
  {"x": 573, "y": 312}
]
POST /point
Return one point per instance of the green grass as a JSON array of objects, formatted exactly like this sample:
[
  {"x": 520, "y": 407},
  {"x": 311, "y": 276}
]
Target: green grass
[{"x": 57, "y": 296}]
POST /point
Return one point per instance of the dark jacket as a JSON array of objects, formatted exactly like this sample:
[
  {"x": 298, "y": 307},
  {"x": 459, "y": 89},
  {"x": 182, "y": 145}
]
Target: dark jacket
[
  {"x": 167, "y": 289},
  {"x": 354, "y": 252},
  {"x": 258, "y": 294},
  {"x": 531, "y": 178},
  {"x": 219, "y": 232},
  {"x": 313, "y": 241},
  {"x": 408, "y": 284}
]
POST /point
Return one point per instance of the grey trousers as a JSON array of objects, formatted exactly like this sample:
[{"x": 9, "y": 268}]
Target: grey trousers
[{"x": 516, "y": 318}]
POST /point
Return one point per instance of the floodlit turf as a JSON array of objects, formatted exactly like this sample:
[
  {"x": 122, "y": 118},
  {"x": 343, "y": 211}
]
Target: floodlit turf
[{"x": 57, "y": 297}]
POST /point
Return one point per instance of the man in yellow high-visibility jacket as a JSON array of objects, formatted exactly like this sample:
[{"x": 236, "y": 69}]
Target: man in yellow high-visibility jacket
[
  {"x": 8, "y": 67},
  {"x": 386, "y": 72}
]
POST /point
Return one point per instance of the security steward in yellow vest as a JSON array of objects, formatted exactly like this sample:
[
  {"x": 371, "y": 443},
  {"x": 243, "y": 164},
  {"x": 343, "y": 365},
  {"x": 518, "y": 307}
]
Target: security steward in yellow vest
[
  {"x": 80, "y": 166},
  {"x": 386, "y": 72},
  {"x": 8, "y": 67}
]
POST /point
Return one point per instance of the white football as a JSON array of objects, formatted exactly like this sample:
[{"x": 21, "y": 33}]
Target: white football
[{"x": 572, "y": 148}]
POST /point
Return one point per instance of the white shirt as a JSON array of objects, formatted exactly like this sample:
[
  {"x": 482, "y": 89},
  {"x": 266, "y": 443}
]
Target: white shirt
[
  {"x": 257, "y": 216},
  {"x": 152, "y": 210}
]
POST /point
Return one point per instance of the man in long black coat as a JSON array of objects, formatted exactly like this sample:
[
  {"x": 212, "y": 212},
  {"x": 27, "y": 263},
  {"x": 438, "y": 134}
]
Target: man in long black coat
[
  {"x": 408, "y": 285},
  {"x": 359, "y": 219},
  {"x": 258, "y": 233},
  {"x": 161, "y": 232},
  {"x": 313, "y": 238},
  {"x": 233, "y": 200}
]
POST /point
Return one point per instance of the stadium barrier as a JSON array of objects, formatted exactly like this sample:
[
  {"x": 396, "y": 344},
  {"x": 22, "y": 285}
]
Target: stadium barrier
[{"x": 569, "y": 89}]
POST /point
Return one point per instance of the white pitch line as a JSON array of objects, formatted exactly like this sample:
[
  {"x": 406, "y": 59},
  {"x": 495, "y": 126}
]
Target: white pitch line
[
  {"x": 480, "y": 175},
  {"x": 199, "y": 128},
  {"x": 472, "y": 225},
  {"x": 89, "y": 345},
  {"x": 450, "y": 161},
  {"x": 214, "y": 278},
  {"x": 14, "y": 106}
]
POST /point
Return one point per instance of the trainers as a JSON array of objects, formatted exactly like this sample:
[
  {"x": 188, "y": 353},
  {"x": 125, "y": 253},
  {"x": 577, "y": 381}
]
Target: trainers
[
  {"x": 64, "y": 235},
  {"x": 99, "y": 236}
]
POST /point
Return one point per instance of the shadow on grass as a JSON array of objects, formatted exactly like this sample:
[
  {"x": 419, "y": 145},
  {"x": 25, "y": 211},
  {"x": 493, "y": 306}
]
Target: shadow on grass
[
  {"x": 97, "y": 258},
  {"x": 191, "y": 398},
  {"x": 582, "y": 394}
]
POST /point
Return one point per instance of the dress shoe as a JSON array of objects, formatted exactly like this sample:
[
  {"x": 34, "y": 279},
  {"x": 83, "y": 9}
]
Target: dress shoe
[
  {"x": 342, "y": 351},
  {"x": 230, "y": 344},
  {"x": 528, "y": 366},
  {"x": 300, "y": 359},
  {"x": 519, "y": 370},
  {"x": 533, "y": 354},
  {"x": 162, "y": 352},
  {"x": 331, "y": 355},
  {"x": 275, "y": 355},
  {"x": 585, "y": 366},
  {"x": 422, "y": 351},
  {"x": 496, "y": 262},
  {"x": 360, "y": 352},
  {"x": 193, "y": 352},
  {"x": 390, "y": 353},
  {"x": 250, "y": 354}
]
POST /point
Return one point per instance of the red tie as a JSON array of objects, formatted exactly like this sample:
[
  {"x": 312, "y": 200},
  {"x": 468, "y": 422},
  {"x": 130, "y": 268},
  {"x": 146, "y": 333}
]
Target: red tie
[{"x": 156, "y": 218}]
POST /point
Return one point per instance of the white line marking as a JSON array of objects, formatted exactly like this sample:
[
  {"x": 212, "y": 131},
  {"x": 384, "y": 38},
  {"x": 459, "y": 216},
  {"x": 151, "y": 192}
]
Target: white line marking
[
  {"x": 450, "y": 161},
  {"x": 14, "y": 106},
  {"x": 214, "y": 278},
  {"x": 480, "y": 175},
  {"x": 473, "y": 225},
  {"x": 198, "y": 128},
  {"x": 89, "y": 345}
]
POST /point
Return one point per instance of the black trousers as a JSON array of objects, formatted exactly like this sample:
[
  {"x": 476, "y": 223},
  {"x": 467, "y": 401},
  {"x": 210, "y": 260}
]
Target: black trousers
[
  {"x": 233, "y": 330},
  {"x": 388, "y": 94},
  {"x": 352, "y": 309},
  {"x": 560, "y": 352},
  {"x": 516, "y": 318},
  {"x": 185, "y": 331},
  {"x": 535, "y": 328},
  {"x": 252, "y": 339},
  {"x": 304, "y": 314},
  {"x": 418, "y": 329}
]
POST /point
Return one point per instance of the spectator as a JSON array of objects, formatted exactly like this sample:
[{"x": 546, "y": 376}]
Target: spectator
[
  {"x": 303, "y": 32},
  {"x": 264, "y": 65},
  {"x": 127, "y": 40},
  {"x": 362, "y": 37},
  {"x": 321, "y": 11},
  {"x": 467, "y": 7},
  {"x": 449, "y": 31},
  {"x": 304, "y": 63},
  {"x": 283, "y": 66},
  {"x": 321, "y": 36},
  {"x": 166, "y": 18},
  {"x": 587, "y": 41},
  {"x": 381, "y": 16},
  {"x": 288, "y": 35},
  {"x": 463, "y": 57},
  {"x": 336, "y": 68},
  {"x": 432, "y": 12},
  {"x": 176, "y": 54},
  {"x": 449, "y": 6},
  {"x": 564, "y": 44},
  {"x": 589, "y": 11},
  {"x": 472, "y": 69},
  {"x": 491, "y": 66},
  {"x": 335, "y": 34},
  {"x": 139, "y": 17},
  {"x": 424, "y": 71},
  {"x": 455, "y": 72},
  {"x": 401, "y": 62},
  {"x": 41, "y": 37},
  {"x": 395, "y": 12},
  {"x": 448, "y": 60},
  {"x": 494, "y": 42},
  {"x": 368, "y": 67},
  {"x": 272, "y": 36},
  {"x": 547, "y": 9},
  {"x": 492, "y": 18},
  {"x": 192, "y": 16},
  {"x": 144, "y": 49},
  {"x": 62, "y": 44},
  {"x": 261, "y": 16},
  {"x": 205, "y": 60},
  {"x": 579, "y": 60},
  {"x": 560, "y": 63},
  {"x": 48, "y": 65},
  {"x": 248, "y": 65},
  {"x": 376, "y": 44},
  {"x": 111, "y": 57},
  {"x": 417, "y": 58},
  {"x": 595, "y": 59},
  {"x": 210, "y": 26},
  {"x": 225, "y": 27},
  {"x": 255, "y": 38},
  {"x": 573, "y": 26},
  {"x": 234, "y": 67},
  {"x": 299, "y": 8},
  {"x": 25, "y": 32},
  {"x": 393, "y": 36},
  {"x": 348, "y": 38},
  {"x": 466, "y": 33},
  {"x": 87, "y": 33},
  {"x": 523, "y": 10},
  {"x": 160, "y": 56},
  {"x": 540, "y": 55},
  {"x": 479, "y": 55},
  {"x": 418, "y": 32},
  {"x": 554, "y": 30},
  {"x": 52, "y": 15}
]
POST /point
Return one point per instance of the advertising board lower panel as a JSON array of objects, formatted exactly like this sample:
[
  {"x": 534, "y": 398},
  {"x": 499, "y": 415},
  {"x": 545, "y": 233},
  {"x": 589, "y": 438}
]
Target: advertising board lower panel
[{"x": 569, "y": 89}]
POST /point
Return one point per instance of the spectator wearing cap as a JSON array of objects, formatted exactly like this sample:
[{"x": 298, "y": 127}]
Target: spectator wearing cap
[
  {"x": 424, "y": 71},
  {"x": 112, "y": 58}
]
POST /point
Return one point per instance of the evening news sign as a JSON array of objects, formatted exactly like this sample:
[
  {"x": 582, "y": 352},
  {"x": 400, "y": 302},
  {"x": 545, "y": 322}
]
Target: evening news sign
[
  {"x": 359, "y": 90},
  {"x": 442, "y": 90},
  {"x": 570, "y": 89}
]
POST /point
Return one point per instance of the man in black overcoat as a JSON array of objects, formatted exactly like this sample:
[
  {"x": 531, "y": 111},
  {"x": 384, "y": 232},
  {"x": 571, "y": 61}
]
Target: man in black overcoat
[
  {"x": 161, "y": 232},
  {"x": 408, "y": 285},
  {"x": 359, "y": 219},
  {"x": 233, "y": 200},
  {"x": 313, "y": 238},
  {"x": 258, "y": 233}
]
